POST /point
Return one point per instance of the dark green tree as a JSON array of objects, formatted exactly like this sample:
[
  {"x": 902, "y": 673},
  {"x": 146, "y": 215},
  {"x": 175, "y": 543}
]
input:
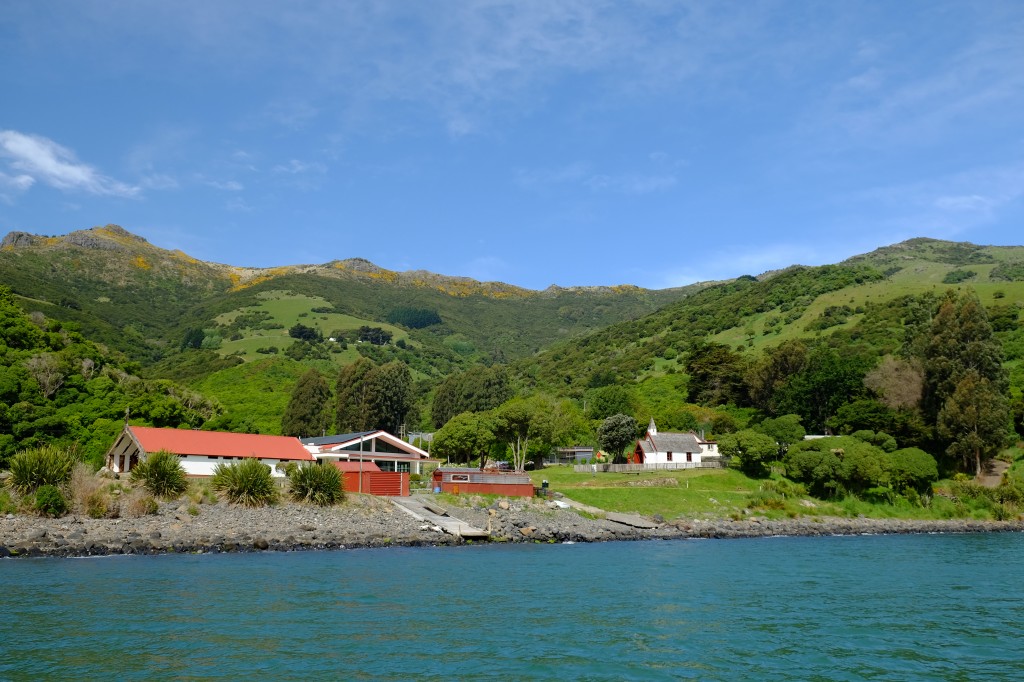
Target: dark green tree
[
  {"x": 784, "y": 430},
  {"x": 608, "y": 400},
  {"x": 303, "y": 333},
  {"x": 771, "y": 372},
  {"x": 615, "y": 434},
  {"x": 961, "y": 341},
  {"x": 308, "y": 409},
  {"x": 520, "y": 421},
  {"x": 193, "y": 338},
  {"x": 975, "y": 420},
  {"x": 912, "y": 469},
  {"x": 351, "y": 395},
  {"x": 716, "y": 374},
  {"x": 465, "y": 437},
  {"x": 750, "y": 452},
  {"x": 388, "y": 396},
  {"x": 827, "y": 381},
  {"x": 374, "y": 335},
  {"x": 478, "y": 389}
]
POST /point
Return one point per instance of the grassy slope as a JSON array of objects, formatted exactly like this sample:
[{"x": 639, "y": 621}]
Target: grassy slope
[
  {"x": 287, "y": 309},
  {"x": 258, "y": 390},
  {"x": 720, "y": 493}
]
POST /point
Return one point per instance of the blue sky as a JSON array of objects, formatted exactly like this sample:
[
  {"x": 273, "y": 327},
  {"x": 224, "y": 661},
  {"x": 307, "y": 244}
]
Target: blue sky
[{"x": 573, "y": 142}]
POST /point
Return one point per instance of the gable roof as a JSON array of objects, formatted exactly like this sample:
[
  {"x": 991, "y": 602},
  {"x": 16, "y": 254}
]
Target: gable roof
[
  {"x": 218, "y": 443},
  {"x": 351, "y": 443},
  {"x": 665, "y": 441}
]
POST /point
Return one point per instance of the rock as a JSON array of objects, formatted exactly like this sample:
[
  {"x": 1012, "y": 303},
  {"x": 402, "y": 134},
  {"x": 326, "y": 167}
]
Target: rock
[
  {"x": 504, "y": 505},
  {"x": 37, "y": 534},
  {"x": 261, "y": 544},
  {"x": 527, "y": 531},
  {"x": 307, "y": 527}
]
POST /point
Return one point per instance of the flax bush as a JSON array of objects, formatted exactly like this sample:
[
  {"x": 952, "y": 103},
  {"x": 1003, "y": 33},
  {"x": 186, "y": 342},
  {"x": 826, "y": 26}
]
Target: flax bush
[
  {"x": 161, "y": 474},
  {"x": 247, "y": 483},
  {"x": 44, "y": 465},
  {"x": 317, "y": 484}
]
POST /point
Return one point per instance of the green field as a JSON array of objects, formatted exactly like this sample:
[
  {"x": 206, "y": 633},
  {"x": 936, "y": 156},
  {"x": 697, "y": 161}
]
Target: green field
[
  {"x": 288, "y": 309},
  {"x": 719, "y": 493}
]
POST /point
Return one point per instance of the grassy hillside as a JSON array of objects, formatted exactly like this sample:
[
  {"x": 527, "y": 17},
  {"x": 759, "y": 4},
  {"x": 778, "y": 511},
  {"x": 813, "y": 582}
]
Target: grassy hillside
[
  {"x": 140, "y": 299},
  {"x": 863, "y": 301}
]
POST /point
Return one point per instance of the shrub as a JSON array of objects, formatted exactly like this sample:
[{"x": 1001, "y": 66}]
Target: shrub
[
  {"x": 161, "y": 474},
  {"x": 97, "y": 504},
  {"x": 50, "y": 501},
  {"x": 767, "y": 500},
  {"x": 247, "y": 483},
  {"x": 317, "y": 484},
  {"x": 7, "y": 505},
  {"x": 45, "y": 465},
  {"x": 140, "y": 504}
]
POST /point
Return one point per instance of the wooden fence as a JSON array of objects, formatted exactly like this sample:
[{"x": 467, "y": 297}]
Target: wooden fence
[{"x": 637, "y": 468}]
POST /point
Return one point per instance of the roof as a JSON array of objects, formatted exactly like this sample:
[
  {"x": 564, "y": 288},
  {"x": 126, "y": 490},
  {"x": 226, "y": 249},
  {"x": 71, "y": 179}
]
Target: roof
[
  {"x": 337, "y": 438},
  {"x": 356, "y": 466},
  {"x": 672, "y": 442},
  {"x": 358, "y": 445},
  {"x": 219, "y": 443}
]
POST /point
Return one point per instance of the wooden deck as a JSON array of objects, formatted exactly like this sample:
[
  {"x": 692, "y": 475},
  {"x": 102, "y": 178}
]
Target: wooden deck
[{"x": 430, "y": 513}]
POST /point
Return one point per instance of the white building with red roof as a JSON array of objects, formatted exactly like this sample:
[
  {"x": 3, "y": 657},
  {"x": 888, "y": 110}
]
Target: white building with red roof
[{"x": 201, "y": 451}]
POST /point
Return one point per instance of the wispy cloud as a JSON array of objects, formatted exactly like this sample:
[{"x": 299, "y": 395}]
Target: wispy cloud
[
  {"x": 226, "y": 185},
  {"x": 294, "y": 167},
  {"x": 951, "y": 205},
  {"x": 581, "y": 175},
  {"x": 743, "y": 259},
  {"x": 41, "y": 159}
]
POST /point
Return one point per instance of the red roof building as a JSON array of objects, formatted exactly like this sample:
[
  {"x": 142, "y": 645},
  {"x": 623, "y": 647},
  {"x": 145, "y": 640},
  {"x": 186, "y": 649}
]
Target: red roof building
[{"x": 201, "y": 451}]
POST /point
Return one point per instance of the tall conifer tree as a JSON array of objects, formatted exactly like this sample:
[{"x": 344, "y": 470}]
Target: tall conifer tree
[{"x": 307, "y": 413}]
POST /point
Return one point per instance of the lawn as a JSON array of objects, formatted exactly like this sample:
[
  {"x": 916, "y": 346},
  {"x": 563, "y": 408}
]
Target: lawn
[{"x": 713, "y": 492}]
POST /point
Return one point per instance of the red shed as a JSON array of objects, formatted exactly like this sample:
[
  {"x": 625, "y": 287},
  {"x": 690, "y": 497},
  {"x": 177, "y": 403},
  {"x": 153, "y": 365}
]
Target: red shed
[{"x": 463, "y": 480}]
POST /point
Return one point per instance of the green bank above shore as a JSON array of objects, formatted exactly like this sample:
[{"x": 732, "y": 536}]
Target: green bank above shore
[{"x": 727, "y": 493}]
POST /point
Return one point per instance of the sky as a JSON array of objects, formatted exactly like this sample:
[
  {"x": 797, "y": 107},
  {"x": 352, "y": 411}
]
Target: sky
[{"x": 534, "y": 142}]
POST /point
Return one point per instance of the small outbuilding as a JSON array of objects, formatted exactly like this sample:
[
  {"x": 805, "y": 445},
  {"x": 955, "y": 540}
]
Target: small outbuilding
[{"x": 458, "y": 480}]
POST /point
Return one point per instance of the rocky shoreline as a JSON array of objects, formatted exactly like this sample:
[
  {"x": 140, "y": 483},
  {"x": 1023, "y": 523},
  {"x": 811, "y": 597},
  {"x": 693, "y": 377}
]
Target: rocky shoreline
[{"x": 365, "y": 521}]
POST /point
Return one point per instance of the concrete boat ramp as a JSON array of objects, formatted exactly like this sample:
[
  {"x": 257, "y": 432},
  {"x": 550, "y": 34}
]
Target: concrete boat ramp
[{"x": 428, "y": 512}]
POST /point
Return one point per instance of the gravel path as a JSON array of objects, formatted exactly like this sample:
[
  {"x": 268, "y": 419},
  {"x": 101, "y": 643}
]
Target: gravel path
[{"x": 365, "y": 521}]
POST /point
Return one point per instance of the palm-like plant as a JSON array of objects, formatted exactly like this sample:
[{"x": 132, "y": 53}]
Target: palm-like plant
[
  {"x": 317, "y": 484},
  {"x": 247, "y": 483},
  {"x": 161, "y": 474},
  {"x": 44, "y": 465}
]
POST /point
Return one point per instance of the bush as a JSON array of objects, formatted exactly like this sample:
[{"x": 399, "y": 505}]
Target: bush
[
  {"x": 97, "y": 504},
  {"x": 317, "y": 484},
  {"x": 140, "y": 504},
  {"x": 247, "y": 483},
  {"x": 45, "y": 465},
  {"x": 161, "y": 474},
  {"x": 50, "y": 501}
]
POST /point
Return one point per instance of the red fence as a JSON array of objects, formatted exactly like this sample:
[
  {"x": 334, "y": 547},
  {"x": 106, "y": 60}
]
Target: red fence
[{"x": 382, "y": 483}]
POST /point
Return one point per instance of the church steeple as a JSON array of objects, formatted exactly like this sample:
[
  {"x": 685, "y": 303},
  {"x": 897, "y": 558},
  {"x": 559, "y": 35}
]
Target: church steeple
[{"x": 652, "y": 428}]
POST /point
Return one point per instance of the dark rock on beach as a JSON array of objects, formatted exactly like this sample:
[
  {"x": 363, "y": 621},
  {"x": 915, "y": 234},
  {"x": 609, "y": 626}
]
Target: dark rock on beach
[{"x": 365, "y": 521}]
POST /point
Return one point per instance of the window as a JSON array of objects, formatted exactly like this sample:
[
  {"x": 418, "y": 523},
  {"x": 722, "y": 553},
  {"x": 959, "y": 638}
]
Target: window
[
  {"x": 689, "y": 456},
  {"x": 460, "y": 478},
  {"x": 670, "y": 457},
  {"x": 211, "y": 457}
]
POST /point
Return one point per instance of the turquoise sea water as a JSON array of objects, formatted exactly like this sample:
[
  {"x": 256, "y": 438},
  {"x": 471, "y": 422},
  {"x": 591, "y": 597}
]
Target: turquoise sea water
[{"x": 938, "y": 607}]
